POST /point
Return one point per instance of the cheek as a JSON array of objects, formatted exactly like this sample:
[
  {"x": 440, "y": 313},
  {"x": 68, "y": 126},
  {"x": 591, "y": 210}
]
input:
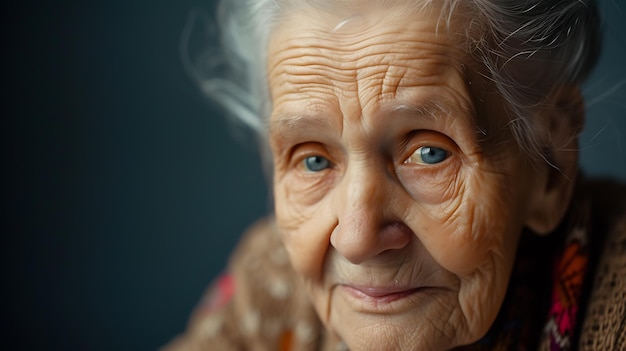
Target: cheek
[
  {"x": 473, "y": 222},
  {"x": 473, "y": 234},
  {"x": 305, "y": 229}
]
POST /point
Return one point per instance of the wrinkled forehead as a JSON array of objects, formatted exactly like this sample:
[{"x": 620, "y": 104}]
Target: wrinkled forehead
[
  {"x": 413, "y": 45},
  {"x": 302, "y": 35},
  {"x": 390, "y": 38},
  {"x": 350, "y": 35}
]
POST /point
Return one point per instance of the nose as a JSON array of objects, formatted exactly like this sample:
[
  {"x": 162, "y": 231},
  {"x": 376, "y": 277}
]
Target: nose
[{"x": 366, "y": 224}]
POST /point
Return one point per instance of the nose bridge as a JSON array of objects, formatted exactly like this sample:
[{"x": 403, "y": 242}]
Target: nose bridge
[
  {"x": 363, "y": 194},
  {"x": 362, "y": 214}
]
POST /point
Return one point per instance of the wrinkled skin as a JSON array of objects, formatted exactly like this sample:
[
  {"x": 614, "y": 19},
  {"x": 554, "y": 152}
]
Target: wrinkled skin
[{"x": 397, "y": 251}]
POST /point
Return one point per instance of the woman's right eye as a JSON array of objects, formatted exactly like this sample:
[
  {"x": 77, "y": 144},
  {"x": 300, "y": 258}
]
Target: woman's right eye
[{"x": 316, "y": 163}]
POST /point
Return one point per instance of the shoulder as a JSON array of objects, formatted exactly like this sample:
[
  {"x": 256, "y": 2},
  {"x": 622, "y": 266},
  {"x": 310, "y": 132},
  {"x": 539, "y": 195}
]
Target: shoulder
[
  {"x": 604, "y": 327},
  {"x": 262, "y": 274},
  {"x": 266, "y": 307}
]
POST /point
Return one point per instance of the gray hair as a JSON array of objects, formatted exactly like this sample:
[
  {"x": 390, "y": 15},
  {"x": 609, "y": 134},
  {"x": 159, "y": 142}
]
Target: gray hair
[{"x": 560, "y": 39}]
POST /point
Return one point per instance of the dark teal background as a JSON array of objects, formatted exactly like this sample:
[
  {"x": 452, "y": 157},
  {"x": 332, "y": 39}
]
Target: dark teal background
[{"x": 124, "y": 190}]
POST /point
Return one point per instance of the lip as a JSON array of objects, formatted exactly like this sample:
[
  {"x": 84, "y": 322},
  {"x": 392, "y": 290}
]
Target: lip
[{"x": 379, "y": 295}]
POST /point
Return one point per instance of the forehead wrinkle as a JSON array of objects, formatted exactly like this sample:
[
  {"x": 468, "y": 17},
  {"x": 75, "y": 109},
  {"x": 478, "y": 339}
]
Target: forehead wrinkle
[
  {"x": 308, "y": 53},
  {"x": 350, "y": 39},
  {"x": 350, "y": 53},
  {"x": 317, "y": 55},
  {"x": 320, "y": 34},
  {"x": 316, "y": 68}
]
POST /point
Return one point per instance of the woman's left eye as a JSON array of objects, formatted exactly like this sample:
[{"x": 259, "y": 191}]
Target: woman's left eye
[{"x": 427, "y": 155}]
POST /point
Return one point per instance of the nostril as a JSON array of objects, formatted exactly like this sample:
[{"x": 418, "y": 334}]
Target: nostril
[{"x": 395, "y": 235}]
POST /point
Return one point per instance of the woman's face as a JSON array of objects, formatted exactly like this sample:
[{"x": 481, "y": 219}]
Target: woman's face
[{"x": 401, "y": 222}]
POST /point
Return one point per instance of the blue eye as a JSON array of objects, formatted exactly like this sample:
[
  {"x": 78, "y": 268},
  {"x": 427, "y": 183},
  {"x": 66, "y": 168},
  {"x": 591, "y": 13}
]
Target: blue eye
[
  {"x": 428, "y": 155},
  {"x": 316, "y": 163},
  {"x": 431, "y": 155}
]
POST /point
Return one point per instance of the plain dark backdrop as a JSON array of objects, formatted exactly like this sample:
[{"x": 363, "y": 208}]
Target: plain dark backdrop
[{"x": 124, "y": 189}]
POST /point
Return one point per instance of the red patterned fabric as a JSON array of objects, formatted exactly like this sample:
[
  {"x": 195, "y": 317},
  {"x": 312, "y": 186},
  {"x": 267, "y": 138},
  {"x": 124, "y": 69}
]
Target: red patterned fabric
[
  {"x": 570, "y": 270},
  {"x": 219, "y": 294}
]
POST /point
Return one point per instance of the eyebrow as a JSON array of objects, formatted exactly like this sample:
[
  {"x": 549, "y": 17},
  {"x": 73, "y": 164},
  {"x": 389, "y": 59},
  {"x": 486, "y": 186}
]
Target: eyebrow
[
  {"x": 298, "y": 126},
  {"x": 431, "y": 108}
]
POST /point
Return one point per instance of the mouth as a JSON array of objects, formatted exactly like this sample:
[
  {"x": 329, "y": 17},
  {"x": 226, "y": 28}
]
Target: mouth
[{"x": 378, "y": 295}]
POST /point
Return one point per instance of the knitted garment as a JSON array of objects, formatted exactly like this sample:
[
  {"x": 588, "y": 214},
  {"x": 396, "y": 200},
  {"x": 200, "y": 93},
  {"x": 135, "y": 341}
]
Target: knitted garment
[{"x": 555, "y": 300}]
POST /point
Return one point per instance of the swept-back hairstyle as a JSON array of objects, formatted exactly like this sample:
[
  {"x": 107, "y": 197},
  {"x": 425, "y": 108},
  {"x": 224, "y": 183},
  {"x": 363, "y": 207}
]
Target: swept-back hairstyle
[{"x": 558, "y": 40}]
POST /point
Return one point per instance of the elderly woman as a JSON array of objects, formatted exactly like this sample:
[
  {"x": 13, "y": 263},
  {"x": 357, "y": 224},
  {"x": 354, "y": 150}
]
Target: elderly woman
[{"x": 425, "y": 181}]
